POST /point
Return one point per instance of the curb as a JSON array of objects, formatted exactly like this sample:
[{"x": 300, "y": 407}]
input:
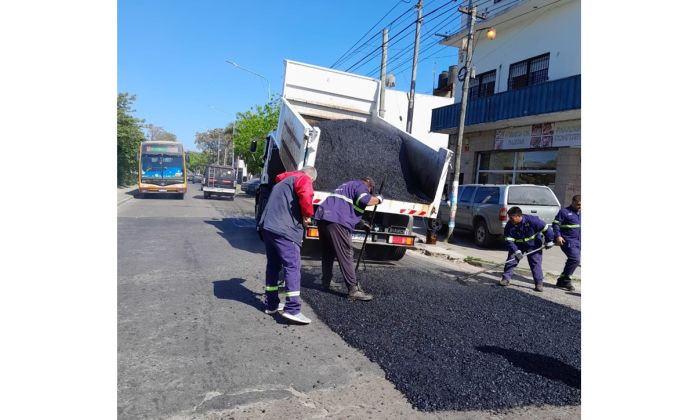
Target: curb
[
  {"x": 127, "y": 196},
  {"x": 477, "y": 262}
]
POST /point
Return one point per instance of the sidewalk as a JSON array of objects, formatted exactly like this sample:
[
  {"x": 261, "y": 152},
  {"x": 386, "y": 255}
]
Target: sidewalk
[
  {"x": 462, "y": 249},
  {"x": 125, "y": 194}
]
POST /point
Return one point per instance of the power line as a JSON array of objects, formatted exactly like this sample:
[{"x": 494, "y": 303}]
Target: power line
[
  {"x": 437, "y": 27},
  {"x": 338, "y": 61},
  {"x": 375, "y": 53}
]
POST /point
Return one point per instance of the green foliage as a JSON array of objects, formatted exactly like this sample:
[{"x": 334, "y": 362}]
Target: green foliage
[
  {"x": 129, "y": 137},
  {"x": 254, "y": 124},
  {"x": 198, "y": 161},
  {"x": 210, "y": 142}
]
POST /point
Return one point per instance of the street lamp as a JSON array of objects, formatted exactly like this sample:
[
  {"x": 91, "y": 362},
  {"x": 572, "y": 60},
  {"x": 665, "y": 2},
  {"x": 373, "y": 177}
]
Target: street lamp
[{"x": 234, "y": 64}]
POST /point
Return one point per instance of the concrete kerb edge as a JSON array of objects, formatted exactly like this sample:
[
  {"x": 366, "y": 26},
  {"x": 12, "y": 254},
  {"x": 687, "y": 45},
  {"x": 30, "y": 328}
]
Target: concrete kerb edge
[
  {"x": 477, "y": 262},
  {"x": 126, "y": 196}
]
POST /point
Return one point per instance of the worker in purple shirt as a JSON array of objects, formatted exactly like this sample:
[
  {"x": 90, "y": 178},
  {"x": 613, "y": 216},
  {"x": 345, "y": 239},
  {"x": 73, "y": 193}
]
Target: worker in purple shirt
[
  {"x": 567, "y": 235},
  {"x": 523, "y": 234},
  {"x": 337, "y": 217}
]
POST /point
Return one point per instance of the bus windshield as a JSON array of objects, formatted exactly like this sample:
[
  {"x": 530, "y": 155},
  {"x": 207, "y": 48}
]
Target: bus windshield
[{"x": 162, "y": 166}]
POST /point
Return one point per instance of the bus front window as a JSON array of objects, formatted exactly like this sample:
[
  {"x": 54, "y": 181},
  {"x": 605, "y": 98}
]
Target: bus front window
[{"x": 162, "y": 167}]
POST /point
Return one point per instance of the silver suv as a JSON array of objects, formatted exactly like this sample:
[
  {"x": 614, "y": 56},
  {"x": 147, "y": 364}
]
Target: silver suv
[{"x": 483, "y": 208}]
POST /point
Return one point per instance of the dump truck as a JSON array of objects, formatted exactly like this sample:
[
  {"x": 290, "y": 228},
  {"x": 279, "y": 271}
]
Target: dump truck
[{"x": 313, "y": 96}]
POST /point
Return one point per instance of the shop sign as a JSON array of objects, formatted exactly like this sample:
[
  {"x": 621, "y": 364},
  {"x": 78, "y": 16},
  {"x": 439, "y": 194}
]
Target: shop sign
[
  {"x": 567, "y": 134},
  {"x": 540, "y": 136}
]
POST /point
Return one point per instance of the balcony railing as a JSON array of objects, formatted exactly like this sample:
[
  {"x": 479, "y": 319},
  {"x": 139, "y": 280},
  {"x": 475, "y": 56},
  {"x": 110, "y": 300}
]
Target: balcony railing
[{"x": 555, "y": 96}]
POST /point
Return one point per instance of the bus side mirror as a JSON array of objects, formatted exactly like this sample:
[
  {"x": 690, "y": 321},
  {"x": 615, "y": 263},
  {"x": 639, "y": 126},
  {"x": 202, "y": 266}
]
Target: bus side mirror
[{"x": 253, "y": 146}]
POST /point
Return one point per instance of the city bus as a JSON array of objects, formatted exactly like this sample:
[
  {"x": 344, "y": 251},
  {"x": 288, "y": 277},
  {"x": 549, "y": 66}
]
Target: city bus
[{"x": 162, "y": 168}]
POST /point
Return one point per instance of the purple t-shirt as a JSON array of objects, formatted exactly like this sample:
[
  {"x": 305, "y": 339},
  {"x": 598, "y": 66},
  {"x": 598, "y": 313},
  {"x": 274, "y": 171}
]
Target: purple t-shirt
[{"x": 346, "y": 205}]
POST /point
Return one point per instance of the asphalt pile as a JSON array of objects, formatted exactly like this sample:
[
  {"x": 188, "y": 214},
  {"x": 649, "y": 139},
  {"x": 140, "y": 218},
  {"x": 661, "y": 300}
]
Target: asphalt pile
[
  {"x": 450, "y": 346},
  {"x": 350, "y": 149}
]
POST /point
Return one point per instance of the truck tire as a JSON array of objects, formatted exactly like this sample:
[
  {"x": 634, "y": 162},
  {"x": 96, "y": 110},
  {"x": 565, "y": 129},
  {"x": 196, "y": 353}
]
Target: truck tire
[
  {"x": 384, "y": 253},
  {"x": 482, "y": 236},
  {"x": 437, "y": 226},
  {"x": 397, "y": 253}
]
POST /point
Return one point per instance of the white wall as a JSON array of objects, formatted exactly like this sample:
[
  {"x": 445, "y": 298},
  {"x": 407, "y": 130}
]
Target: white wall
[
  {"x": 556, "y": 30},
  {"x": 397, "y": 111}
]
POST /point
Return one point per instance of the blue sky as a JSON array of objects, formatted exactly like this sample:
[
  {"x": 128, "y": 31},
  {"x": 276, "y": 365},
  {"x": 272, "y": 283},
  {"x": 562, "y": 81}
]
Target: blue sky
[{"x": 172, "y": 54}]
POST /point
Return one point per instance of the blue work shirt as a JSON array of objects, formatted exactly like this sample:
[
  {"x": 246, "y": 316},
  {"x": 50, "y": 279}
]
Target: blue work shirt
[
  {"x": 567, "y": 224},
  {"x": 527, "y": 235},
  {"x": 346, "y": 205}
]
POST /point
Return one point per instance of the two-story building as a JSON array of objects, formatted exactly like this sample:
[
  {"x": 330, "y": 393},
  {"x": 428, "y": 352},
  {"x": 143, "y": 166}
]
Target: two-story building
[{"x": 523, "y": 121}]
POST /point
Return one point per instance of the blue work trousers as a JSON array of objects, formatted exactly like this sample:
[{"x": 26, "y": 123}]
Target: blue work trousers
[
  {"x": 572, "y": 249},
  {"x": 535, "y": 261},
  {"x": 282, "y": 254}
]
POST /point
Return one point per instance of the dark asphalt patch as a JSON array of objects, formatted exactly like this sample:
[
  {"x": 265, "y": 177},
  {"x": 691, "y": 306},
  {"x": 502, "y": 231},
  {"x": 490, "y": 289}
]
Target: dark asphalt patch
[
  {"x": 351, "y": 149},
  {"x": 448, "y": 346}
]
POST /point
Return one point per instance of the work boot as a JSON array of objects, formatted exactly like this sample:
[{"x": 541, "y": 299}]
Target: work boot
[
  {"x": 504, "y": 282},
  {"x": 568, "y": 286},
  {"x": 356, "y": 293},
  {"x": 539, "y": 287},
  {"x": 562, "y": 280}
]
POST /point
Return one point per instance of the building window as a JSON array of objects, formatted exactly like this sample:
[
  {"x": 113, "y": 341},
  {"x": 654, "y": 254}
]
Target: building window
[
  {"x": 517, "y": 167},
  {"x": 529, "y": 72},
  {"x": 482, "y": 85}
]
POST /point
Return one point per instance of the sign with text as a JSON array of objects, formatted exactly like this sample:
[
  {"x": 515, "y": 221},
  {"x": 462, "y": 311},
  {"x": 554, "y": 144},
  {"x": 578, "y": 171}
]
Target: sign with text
[
  {"x": 567, "y": 134},
  {"x": 539, "y": 136}
]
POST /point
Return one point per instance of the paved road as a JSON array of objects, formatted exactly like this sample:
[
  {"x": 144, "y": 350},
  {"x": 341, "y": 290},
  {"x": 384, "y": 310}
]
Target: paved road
[{"x": 194, "y": 343}]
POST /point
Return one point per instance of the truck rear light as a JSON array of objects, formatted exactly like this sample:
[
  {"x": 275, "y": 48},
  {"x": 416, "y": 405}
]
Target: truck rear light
[
  {"x": 503, "y": 214},
  {"x": 312, "y": 232},
  {"x": 401, "y": 240}
]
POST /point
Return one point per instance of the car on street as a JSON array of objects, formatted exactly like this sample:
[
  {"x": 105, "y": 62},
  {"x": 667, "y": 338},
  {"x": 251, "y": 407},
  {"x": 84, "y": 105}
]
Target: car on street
[
  {"x": 251, "y": 186},
  {"x": 483, "y": 208}
]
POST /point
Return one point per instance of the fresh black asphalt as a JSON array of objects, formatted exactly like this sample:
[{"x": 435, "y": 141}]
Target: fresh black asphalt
[
  {"x": 453, "y": 346},
  {"x": 352, "y": 149}
]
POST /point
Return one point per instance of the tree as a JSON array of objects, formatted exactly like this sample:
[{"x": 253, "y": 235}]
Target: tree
[
  {"x": 198, "y": 161},
  {"x": 254, "y": 124},
  {"x": 155, "y": 133},
  {"x": 129, "y": 137},
  {"x": 212, "y": 143}
]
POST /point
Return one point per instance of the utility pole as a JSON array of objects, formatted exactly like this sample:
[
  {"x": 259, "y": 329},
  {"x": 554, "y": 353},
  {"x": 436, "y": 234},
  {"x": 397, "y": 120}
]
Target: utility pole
[
  {"x": 467, "y": 45},
  {"x": 385, "y": 42},
  {"x": 218, "y": 148},
  {"x": 412, "y": 94}
]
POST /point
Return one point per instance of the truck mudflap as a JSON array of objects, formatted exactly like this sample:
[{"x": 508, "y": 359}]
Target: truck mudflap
[{"x": 375, "y": 238}]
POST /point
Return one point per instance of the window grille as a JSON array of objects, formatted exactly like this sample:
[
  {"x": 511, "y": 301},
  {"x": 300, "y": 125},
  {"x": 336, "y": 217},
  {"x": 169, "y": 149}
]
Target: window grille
[
  {"x": 529, "y": 72},
  {"x": 483, "y": 85}
]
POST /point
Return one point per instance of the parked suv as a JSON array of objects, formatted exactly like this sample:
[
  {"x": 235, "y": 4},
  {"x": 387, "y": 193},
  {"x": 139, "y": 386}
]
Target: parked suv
[{"x": 483, "y": 208}]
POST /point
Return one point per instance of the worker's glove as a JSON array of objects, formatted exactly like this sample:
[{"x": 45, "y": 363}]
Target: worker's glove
[
  {"x": 548, "y": 245},
  {"x": 380, "y": 198},
  {"x": 518, "y": 255},
  {"x": 365, "y": 226}
]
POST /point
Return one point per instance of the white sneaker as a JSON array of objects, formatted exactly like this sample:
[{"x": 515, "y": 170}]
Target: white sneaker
[
  {"x": 300, "y": 318},
  {"x": 280, "y": 308}
]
